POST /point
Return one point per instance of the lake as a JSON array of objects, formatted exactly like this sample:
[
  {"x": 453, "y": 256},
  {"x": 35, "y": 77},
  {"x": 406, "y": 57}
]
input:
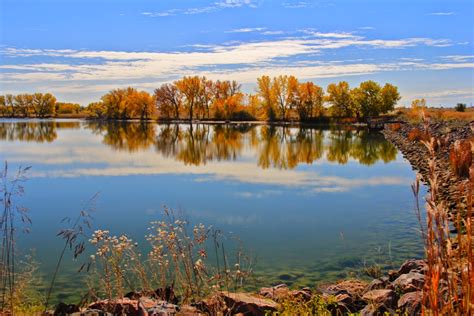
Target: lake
[{"x": 310, "y": 205}]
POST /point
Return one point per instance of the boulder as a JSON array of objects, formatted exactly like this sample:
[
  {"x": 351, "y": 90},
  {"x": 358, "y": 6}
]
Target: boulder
[
  {"x": 352, "y": 287},
  {"x": 248, "y": 304},
  {"x": 117, "y": 306},
  {"x": 412, "y": 265},
  {"x": 384, "y": 297},
  {"x": 376, "y": 284},
  {"x": 162, "y": 308},
  {"x": 410, "y": 303},
  {"x": 412, "y": 281}
]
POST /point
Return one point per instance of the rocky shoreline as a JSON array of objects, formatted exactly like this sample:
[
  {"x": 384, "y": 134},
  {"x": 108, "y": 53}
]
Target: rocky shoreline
[
  {"x": 398, "y": 292},
  {"x": 417, "y": 154}
]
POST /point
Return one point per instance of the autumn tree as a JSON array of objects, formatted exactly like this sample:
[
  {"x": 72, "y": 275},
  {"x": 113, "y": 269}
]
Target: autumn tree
[
  {"x": 268, "y": 97},
  {"x": 97, "y": 110},
  {"x": 68, "y": 108},
  {"x": 284, "y": 89},
  {"x": 309, "y": 100},
  {"x": 227, "y": 98},
  {"x": 3, "y": 107},
  {"x": 190, "y": 87},
  {"x": 168, "y": 100},
  {"x": 23, "y": 102},
  {"x": 339, "y": 96},
  {"x": 44, "y": 104}
]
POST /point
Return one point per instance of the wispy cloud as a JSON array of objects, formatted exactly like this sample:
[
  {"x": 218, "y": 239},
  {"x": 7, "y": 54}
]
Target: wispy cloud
[
  {"x": 89, "y": 71},
  {"x": 441, "y": 13},
  {"x": 216, "y": 6},
  {"x": 459, "y": 58},
  {"x": 247, "y": 30}
]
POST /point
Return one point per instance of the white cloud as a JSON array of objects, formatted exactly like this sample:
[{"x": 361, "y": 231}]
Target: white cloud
[
  {"x": 216, "y": 6},
  {"x": 247, "y": 30},
  {"x": 459, "y": 58},
  {"x": 88, "y": 71},
  {"x": 441, "y": 13}
]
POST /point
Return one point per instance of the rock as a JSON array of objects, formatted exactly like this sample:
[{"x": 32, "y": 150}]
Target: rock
[
  {"x": 409, "y": 282},
  {"x": 91, "y": 312},
  {"x": 305, "y": 294},
  {"x": 410, "y": 303},
  {"x": 188, "y": 310},
  {"x": 412, "y": 265},
  {"x": 376, "y": 284},
  {"x": 65, "y": 309},
  {"x": 384, "y": 297},
  {"x": 162, "y": 308},
  {"x": 117, "y": 306},
  {"x": 145, "y": 303},
  {"x": 276, "y": 293},
  {"x": 352, "y": 287},
  {"x": 392, "y": 275},
  {"x": 248, "y": 304}
]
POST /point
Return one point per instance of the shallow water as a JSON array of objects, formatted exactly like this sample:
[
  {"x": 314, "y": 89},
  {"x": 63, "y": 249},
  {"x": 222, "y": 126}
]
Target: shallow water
[{"x": 309, "y": 204}]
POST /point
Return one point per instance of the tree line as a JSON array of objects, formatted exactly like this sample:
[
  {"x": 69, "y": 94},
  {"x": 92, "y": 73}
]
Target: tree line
[
  {"x": 40, "y": 105},
  {"x": 280, "y": 98}
]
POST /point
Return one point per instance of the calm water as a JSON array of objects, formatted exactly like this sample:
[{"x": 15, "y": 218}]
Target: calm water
[{"x": 309, "y": 204}]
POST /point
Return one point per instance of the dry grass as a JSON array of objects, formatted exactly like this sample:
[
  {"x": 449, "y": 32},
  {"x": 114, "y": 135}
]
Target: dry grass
[
  {"x": 449, "y": 281},
  {"x": 436, "y": 114},
  {"x": 417, "y": 135},
  {"x": 178, "y": 261},
  {"x": 460, "y": 157},
  {"x": 394, "y": 127}
]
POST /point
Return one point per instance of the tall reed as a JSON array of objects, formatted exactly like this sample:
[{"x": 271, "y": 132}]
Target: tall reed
[
  {"x": 10, "y": 189},
  {"x": 449, "y": 279}
]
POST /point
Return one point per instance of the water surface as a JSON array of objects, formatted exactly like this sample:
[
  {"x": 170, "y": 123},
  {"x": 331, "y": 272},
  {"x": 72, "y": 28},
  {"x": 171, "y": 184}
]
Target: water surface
[{"x": 309, "y": 204}]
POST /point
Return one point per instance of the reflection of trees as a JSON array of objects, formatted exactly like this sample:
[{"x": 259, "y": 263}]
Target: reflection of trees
[
  {"x": 365, "y": 147},
  {"x": 339, "y": 146},
  {"x": 276, "y": 147},
  {"x": 368, "y": 148},
  {"x": 286, "y": 148},
  {"x": 29, "y": 131},
  {"x": 125, "y": 136}
]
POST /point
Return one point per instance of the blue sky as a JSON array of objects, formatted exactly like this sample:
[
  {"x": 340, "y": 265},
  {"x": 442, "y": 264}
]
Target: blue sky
[{"x": 78, "y": 50}]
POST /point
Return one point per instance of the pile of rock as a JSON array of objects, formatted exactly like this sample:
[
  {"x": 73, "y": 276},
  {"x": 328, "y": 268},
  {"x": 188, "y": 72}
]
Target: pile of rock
[
  {"x": 417, "y": 154},
  {"x": 400, "y": 292}
]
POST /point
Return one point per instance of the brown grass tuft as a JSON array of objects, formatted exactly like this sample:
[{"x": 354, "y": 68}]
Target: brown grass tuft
[{"x": 460, "y": 157}]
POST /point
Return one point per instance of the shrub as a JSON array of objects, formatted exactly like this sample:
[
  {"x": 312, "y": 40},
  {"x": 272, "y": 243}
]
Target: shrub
[
  {"x": 460, "y": 157},
  {"x": 460, "y": 107},
  {"x": 395, "y": 127},
  {"x": 416, "y": 135}
]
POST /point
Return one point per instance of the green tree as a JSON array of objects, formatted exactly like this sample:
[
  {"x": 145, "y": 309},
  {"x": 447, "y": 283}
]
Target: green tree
[
  {"x": 368, "y": 98},
  {"x": 339, "y": 96},
  {"x": 390, "y": 97}
]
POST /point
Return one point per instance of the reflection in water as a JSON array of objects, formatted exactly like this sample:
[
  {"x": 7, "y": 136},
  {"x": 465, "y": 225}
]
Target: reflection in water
[
  {"x": 276, "y": 147},
  {"x": 34, "y": 131}
]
